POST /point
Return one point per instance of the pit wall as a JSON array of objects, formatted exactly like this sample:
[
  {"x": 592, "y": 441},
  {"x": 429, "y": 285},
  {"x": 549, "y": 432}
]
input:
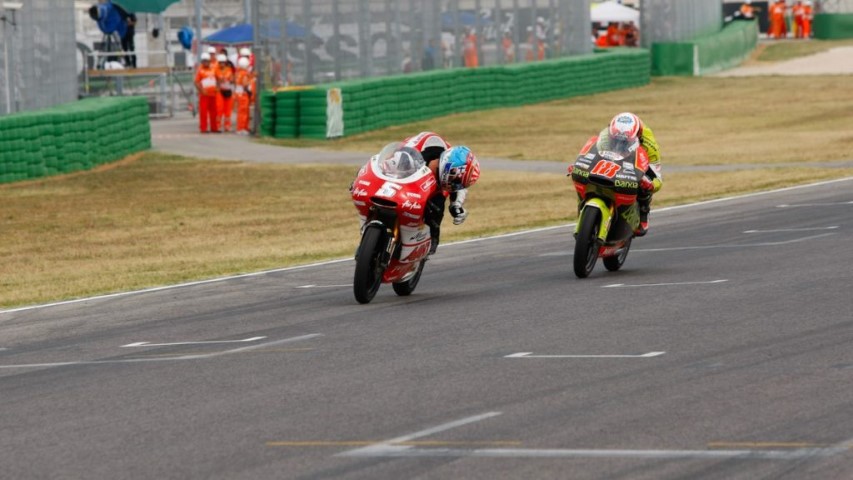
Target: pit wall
[
  {"x": 74, "y": 136},
  {"x": 353, "y": 107},
  {"x": 833, "y": 26},
  {"x": 708, "y": 53}
]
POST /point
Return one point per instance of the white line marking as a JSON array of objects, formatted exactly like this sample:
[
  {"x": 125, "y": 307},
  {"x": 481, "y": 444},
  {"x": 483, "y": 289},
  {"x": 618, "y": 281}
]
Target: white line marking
[
  {"x": 622, "y": 285},
  {"x": 165, "y": 359},
  {"x": 530, "y": 355},
  {"x": 386, "y": 445},
  {"x": 208, "y": 342},
  {"x": 828, "y": 204},
  {"x": 323, "y": 286},
  {"x": 349, "y": 259},
  {"x": 749, "y": 245},
  {"x": 393, "y": 451},
  {"x": 791, "y": 230}
]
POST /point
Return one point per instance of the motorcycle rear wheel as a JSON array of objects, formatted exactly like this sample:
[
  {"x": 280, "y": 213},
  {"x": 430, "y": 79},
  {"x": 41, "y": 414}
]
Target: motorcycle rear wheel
[
  {"x": 406, "y": 288},
  {"x": 586, "y": 243},
  {"x": 368, "y": 265},
  {"x": 615, "y": 262}
]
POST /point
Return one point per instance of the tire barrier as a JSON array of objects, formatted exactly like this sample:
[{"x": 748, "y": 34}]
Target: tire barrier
[
  {"x": 833, "y": 26},
  {"x": 353, "y": 107},
  {"x": 708, "y": 53},
  {"x": 72, "y": 136}
]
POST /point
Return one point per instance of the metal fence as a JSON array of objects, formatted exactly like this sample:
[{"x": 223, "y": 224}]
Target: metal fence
[
  {"x": 834, "y": 6},
  {"x": 333, "y": 40},
  {"x": 677, "y": 20},
  {"x": 38, "y": 61}
]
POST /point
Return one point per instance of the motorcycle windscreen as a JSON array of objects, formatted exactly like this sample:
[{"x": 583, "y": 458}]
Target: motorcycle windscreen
[{"x": 398, "y": 161}]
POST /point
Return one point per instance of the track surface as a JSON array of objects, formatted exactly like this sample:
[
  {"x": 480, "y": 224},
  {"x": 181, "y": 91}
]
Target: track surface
[{"x": 468, "y": 377}]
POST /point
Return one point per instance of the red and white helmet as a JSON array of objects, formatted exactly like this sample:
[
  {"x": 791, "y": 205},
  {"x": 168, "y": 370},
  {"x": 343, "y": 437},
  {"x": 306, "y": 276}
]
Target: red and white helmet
[{"x": 626, "y": 127}]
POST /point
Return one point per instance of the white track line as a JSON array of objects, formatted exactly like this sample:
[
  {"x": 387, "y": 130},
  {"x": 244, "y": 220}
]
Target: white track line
[
  {"x": 341, "y": 260},
  {"x": 530, "y": 355},
  {"x": 399, "y": 452},
  {"x": 204, "y": 342},
  {"x": 782, "y": 230},
  {"x": 623, "y": 285},
  {"x": 163, "y": 359},
  {"x": 389, "y": 444}
]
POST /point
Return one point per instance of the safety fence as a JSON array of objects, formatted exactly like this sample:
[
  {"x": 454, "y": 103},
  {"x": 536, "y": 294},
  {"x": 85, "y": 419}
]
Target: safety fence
[
  {"x": 72, "y": 136},
  {"x": 833, "y": 26},
  {"x": 708, "y": 53},
  {"x": 352, "y": 107}
]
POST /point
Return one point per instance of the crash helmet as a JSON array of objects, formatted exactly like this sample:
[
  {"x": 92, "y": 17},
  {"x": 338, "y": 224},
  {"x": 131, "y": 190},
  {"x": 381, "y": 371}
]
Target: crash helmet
[
  {"x": 243, "y": 63},
  {"x": 624, "y": 131},
  {"x": 221, "y": 58},
  {"x": 205, "y": 57},
  {"x": 458, "y": 168},
  {"x": 245, "y": 52},
  {"x": 430, "y": 144}
]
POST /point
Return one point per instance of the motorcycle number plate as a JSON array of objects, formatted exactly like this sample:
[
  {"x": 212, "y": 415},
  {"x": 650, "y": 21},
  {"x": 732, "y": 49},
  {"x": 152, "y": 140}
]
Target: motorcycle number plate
[
  {"x": 606, "y": 168},
  {"x": 388, "y": 190}
]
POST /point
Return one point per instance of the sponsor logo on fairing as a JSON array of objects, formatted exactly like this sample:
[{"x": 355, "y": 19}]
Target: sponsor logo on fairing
[
  {"x": 428, "y": 184},
  {"x": 413, "y": 195},
  {"x": 364, "y": 182},
  {"x": 419, "y": 236},
  {"x": 411, "y": 215},
  {"x": 359, "y": 192},
  {"x": 360, "y": 203},
  {"x": 408, "y": 205},
  {"x": 622, "y": 184}
]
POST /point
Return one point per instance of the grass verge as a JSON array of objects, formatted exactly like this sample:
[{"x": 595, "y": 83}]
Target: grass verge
[
  {"x": 164, "y": 219},
  {"x": 790, "y": 49},
  {"x": 697, "y": 121}
]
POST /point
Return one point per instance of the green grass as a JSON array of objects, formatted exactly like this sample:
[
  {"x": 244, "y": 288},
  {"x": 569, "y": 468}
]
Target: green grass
[
  {"x": 697, "y": 121},
  {"x": 796, "y": 48}
]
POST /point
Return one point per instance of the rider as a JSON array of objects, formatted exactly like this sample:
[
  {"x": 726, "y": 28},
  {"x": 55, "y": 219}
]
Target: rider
[
  {"x": 627, "y": 129},
  {"x": 455, "y": 169}
]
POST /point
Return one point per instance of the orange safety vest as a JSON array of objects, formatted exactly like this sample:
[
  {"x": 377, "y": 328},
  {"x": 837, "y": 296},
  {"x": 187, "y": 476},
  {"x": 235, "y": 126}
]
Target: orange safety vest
[
  {"x": 205, "y": 78},
  {"x": 747, "y": 11},
  {"x": 226, "y": 78},
  {"x": 243, "y": 83}
]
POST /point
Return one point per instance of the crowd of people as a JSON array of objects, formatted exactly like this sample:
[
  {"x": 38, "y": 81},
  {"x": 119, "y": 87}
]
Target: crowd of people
[
  {"x": 617, "y": 34},
  {"x": 222, "y": 85},
  {"x": 781, "y": 16}
]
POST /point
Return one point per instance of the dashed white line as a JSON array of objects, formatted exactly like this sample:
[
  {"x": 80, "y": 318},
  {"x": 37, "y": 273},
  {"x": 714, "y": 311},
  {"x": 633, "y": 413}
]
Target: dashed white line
[
  {"x": 324, "y": 286},
  {"x": 163, "y": 359},
  {"x": 204, "y": 342},
  {"x": 623, "y": 285},
  {"x": 781, "y": 230},
  {"x": 827, "y": 204},
  {"x": 530, "y": 355}
]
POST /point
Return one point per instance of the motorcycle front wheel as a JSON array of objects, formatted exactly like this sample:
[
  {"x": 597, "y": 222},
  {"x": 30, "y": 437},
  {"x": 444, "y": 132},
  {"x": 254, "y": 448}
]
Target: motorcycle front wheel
[
  {"x": 368, "y": 265},
  {"x": 406, "y": 288},
  {"x": 586, "y": 246}
]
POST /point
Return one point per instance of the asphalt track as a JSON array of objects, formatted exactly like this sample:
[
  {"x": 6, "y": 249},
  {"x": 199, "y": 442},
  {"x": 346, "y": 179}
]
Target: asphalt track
[{"x": 722, "y": 350}]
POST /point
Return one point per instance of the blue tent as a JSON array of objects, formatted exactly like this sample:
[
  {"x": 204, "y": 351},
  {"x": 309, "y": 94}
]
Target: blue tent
[{"x": 244, "y": 33}]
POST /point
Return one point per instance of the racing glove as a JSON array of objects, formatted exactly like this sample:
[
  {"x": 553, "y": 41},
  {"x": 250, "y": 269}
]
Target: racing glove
[
  {"x": 647, "y": 184},
  {"x": 458, "y": 213}
]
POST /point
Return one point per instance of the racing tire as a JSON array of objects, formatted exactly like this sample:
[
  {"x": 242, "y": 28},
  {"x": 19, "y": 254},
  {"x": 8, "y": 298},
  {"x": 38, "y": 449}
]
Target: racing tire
[
  {"x": 586, "y": 243},
  {"x": 406, "y": 288},
  {"x": 614, "y": 263},
  {"x": 368, "y": 265}
]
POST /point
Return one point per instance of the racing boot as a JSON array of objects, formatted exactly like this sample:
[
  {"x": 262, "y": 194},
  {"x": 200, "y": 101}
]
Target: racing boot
[
  {"x": 644, "y": 201},
  {"x": 434, "y": 233}
]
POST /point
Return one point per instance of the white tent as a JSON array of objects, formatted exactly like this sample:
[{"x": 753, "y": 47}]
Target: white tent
[{"x": 613, "y": 12}]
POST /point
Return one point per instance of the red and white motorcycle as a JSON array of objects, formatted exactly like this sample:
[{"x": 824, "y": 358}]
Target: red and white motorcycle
[{"x": 391, "y": 193}]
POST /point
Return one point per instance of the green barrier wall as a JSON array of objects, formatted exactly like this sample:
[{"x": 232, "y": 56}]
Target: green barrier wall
[
  {"x": 70, "y": 137},
  {"x": 833, "y": 26},
  {"x": 375, "y": 103},
  {"x": 708, "y": 53}
]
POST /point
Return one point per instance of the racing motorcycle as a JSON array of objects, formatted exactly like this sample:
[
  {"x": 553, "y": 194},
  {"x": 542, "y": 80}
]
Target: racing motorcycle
[
  {"x": 607, "y": 179},
  {"x": 391, "y": 194}
]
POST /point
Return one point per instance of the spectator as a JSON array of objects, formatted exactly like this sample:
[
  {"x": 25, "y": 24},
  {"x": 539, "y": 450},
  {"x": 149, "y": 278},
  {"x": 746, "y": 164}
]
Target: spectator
[
  {"x": 746, "y": 12},
  {"x": 508, "y": 47},
  {"x": 469, "y": 48},
  {"x": 430, "y": 53},
  {"x": 631, "y": 35}
]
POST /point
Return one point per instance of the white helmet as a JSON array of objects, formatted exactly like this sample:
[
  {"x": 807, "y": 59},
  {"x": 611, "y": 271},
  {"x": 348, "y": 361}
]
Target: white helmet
[
  {"x": 221, "y": 58},
  {"x": 211, "y": 50},
  {"x": 243, "y": 63},
  {"x": 245, "y": 52},
  {"x": 205, "y": 57}
]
